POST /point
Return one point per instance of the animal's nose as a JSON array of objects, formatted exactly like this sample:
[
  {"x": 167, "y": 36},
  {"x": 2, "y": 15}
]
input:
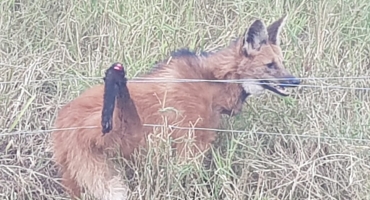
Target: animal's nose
[
  {"x": 291, "y": 81},
  {"x": 295, "y": 81}
]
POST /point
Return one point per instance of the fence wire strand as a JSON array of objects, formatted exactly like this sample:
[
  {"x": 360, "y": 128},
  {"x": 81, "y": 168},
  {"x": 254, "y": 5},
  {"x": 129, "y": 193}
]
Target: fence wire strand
[
  {"x": 159, "y": 79},
  {"x": 254, "y": 81},
  {"x": 194, "y": 128}
]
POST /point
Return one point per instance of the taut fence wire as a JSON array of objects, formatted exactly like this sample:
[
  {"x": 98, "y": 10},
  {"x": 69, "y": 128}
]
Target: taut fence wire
[
  {"x": 255, "y": 81},
  {"x": 320, "y": 136},
  {"x": 158, "y": 79}
]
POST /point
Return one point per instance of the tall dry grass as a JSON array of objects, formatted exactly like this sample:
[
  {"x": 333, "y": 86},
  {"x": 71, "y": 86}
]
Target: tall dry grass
[{"x": 291, "y": 148}]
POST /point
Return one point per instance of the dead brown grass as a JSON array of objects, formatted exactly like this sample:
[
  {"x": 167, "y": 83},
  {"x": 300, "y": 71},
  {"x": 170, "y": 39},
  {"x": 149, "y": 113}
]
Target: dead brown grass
[{"x": 49, "y": 49}]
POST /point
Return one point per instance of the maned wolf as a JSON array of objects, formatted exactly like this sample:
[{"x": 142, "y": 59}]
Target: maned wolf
[{"x": 119, "y": 109}]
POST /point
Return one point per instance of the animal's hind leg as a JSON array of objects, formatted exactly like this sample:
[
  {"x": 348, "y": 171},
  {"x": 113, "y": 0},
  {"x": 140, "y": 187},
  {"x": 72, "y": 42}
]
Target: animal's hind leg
[
  {"x": 98, "y": 176},
  {"x": 71, "y": 185}
]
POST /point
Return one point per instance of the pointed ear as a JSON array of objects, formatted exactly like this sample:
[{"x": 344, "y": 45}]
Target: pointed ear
[
  {"x": 255, "y": 36},
  {"x": 274, "y": 30}
]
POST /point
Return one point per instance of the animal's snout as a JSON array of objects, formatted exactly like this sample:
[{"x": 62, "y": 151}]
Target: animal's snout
[{"x": 290, "y": 81}]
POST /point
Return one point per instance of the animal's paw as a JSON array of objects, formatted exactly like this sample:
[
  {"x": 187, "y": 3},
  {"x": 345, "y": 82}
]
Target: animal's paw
[{"x": 106, "y": 126}]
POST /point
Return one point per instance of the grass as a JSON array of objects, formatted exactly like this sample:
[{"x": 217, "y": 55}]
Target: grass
[{"x": 50, "y": 51}]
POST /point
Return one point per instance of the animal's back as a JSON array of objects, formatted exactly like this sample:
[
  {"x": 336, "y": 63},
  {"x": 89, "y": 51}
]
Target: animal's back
[
  {"x": 182, "y": 104},
  {"x": 77, "y": 124}
]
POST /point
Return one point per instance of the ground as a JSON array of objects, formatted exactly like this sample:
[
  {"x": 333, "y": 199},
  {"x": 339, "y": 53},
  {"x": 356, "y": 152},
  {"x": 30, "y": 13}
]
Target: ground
[{"x": 312, "y": 145}]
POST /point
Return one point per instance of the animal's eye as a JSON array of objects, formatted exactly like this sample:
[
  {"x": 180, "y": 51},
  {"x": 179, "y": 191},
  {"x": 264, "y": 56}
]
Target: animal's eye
[{"x": 271, "y": 65}]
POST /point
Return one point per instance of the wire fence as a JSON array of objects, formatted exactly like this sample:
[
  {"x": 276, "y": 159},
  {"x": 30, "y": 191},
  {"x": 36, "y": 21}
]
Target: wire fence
[
  {"x": 319, "y": 136},
  {"x": 141, "y": 79},
  {"x": 174, "y": 80},
  {"x": 158, "y": 79},
  {"x": 327, "y": 85}
]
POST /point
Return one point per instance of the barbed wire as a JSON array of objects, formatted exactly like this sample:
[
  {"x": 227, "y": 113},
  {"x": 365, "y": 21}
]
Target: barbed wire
[{"x": 194, "y": 128}]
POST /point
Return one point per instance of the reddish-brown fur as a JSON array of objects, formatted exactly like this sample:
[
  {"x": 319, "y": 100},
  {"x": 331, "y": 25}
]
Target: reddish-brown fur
[{"x": 79, "y": 152}]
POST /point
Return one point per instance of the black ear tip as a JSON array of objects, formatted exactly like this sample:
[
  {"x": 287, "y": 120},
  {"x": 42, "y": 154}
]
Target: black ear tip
[
  {"x": 258, "y": 22},
  {"x": 257, "y": 25},
  {"x": 284, "y": 16},
  {"x": 281, "y": 20}
]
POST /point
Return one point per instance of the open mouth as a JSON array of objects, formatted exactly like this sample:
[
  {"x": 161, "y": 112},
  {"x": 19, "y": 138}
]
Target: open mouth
[{"x": 276, "y": 88}]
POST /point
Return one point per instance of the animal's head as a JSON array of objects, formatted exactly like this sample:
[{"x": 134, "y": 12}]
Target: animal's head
[{"x": 262, "y": 59}]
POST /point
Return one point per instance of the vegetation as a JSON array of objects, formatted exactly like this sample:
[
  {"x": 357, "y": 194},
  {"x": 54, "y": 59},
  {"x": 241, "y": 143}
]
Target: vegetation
[{"x": 313, "y": 145}]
